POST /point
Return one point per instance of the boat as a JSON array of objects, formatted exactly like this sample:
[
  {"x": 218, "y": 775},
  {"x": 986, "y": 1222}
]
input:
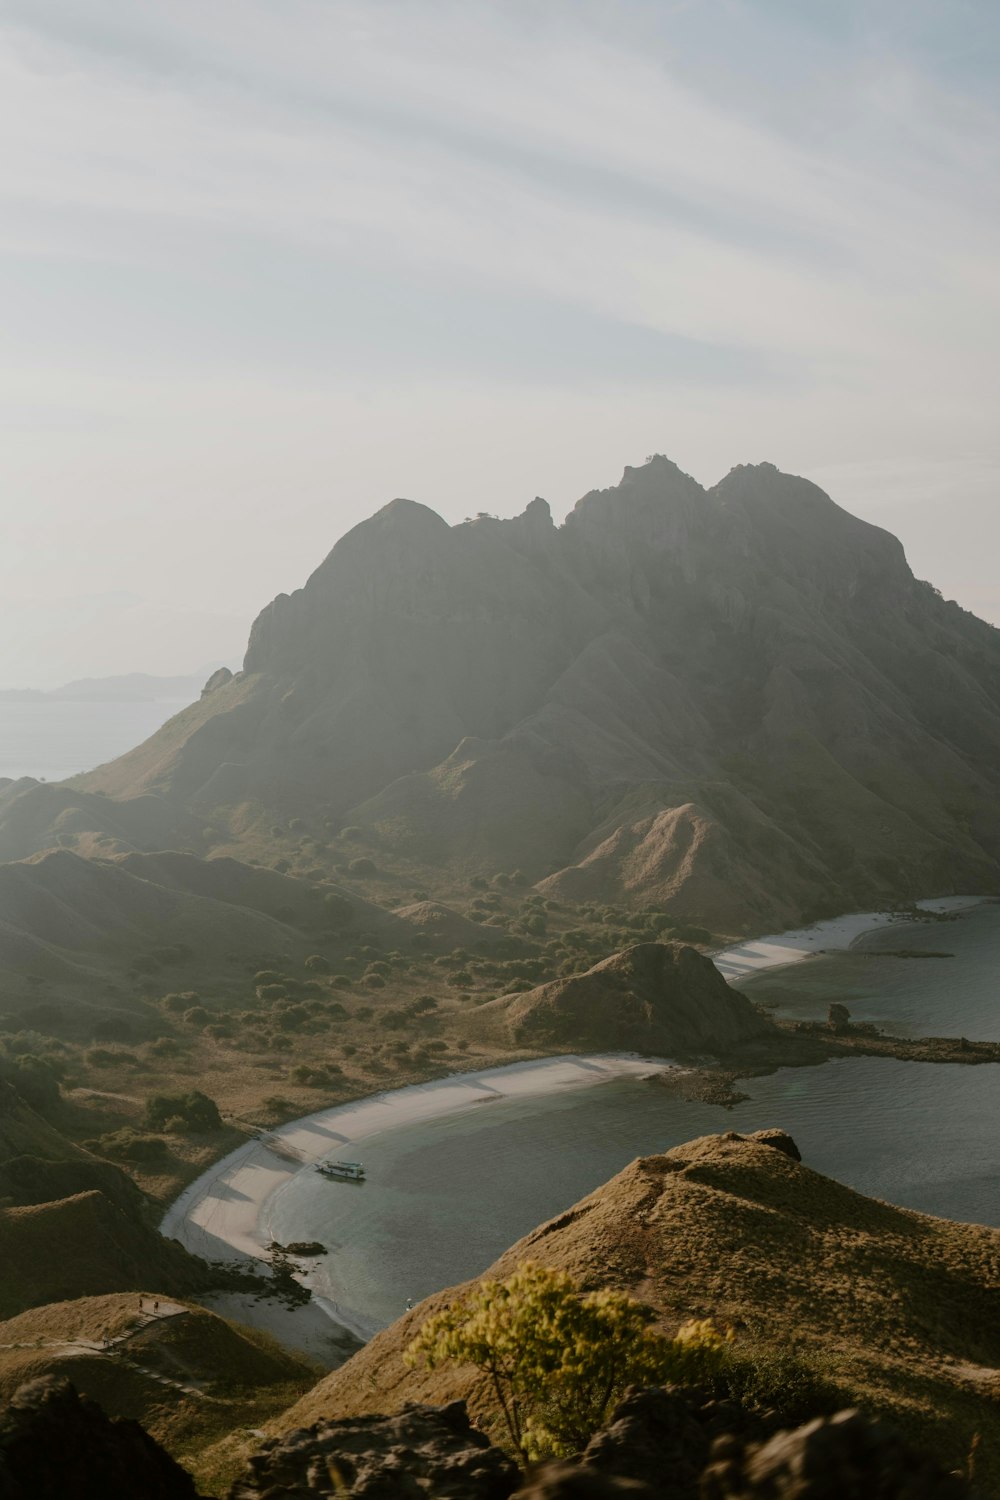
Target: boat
[{"x": 344, "y": 1171}]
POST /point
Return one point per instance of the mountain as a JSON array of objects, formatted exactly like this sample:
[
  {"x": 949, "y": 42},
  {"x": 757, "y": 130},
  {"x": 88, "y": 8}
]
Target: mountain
[
  {"x": 897, "y": 1309},
  {"x": 736, "y": 703}
]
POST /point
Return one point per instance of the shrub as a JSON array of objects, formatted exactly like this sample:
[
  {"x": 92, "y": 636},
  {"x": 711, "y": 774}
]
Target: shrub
[
  {"x": 362, "y": 866},
  {"x": 174, "y": 1003},
  {"x": 557, "y": 1359},
  {"x": 196, "y": 1016},
  {"x": 186, "y": 1112},
  {"x": 318, "y": 964},
  {"x": 273, "y": 991},
  {"x": 164, "y": 1046},
  {"x": 374, "y": 982},
  {"x": 128, "y": 1145},
  {"x": 35, "y": 1079}
]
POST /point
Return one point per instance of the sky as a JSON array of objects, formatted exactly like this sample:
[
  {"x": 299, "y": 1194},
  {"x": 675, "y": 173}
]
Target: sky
[{"x": 266, "y": 264}]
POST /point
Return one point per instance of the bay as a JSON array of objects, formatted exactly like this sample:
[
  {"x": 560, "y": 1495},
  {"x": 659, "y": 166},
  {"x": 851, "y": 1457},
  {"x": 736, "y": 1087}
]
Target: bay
[{"x": 443, "y": 1199}]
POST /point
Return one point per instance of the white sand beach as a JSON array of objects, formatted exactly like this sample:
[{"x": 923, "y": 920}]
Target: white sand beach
[
  {"x": 223, "y": 1215},
  {"x": 835, "y": 935}
]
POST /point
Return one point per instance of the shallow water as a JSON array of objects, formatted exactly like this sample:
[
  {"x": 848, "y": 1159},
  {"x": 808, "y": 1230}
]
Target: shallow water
[
  {"x": 951, "y": 996},
  {"x": 444, "y": 1199},
  {"x": 51, "y": 739}
]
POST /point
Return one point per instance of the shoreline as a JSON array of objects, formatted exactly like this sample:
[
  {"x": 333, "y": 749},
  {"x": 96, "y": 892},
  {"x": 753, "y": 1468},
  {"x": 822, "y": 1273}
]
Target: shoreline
[
  {"x": 223, "y": 1215},
  {"x": 835, "y": 934}
]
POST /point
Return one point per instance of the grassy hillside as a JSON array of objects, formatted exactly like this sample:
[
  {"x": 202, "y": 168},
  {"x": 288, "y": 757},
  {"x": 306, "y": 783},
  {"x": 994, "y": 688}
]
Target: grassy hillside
[
  {"x": 191, "y": 1378},
  {"x": 898, "y": 1309}
]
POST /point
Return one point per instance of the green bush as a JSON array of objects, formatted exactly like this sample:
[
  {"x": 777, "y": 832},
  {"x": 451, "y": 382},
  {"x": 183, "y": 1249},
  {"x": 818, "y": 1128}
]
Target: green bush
[
  {"x": 129, "y": 1145},
  {"x": 362, "y": 867},
  {"x": 194, "y": 1112},
  {"x": 556, "y": 1359},
  {"x": 318, "y": 964}
]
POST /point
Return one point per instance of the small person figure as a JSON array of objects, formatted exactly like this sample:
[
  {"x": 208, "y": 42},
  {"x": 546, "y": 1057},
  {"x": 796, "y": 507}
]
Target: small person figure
[{"x": 409, "y": 1304}]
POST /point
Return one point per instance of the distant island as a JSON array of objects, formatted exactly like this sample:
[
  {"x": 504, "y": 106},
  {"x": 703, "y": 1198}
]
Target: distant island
[{"x": 130, "y": 687}]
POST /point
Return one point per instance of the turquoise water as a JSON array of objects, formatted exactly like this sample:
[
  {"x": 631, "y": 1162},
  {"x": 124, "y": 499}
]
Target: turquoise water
[{"x": 445, "y": 1198}]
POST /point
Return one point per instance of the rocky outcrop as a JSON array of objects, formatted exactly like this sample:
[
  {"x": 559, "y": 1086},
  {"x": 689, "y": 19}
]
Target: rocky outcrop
[
  {"x": 652, "y": 1439},
  {"x": 422, "y": 1451},
  {"x": 57, "y": 1445},
  {"x": 219, "y": 678},
  {"x": 845, "y": 1457},
  {"x": 654, "y": 1449},
  {"x": 658, "y": 1445},
  {"x": 664, "y": 999},
  {"x": 780, "y": 1140}
]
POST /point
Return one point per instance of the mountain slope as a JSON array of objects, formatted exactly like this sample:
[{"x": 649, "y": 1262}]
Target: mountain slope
[
  {"x": 736, "y": 702},
  {"x": 73, "y": 924},
  {"x": 898, "y": 1308}
]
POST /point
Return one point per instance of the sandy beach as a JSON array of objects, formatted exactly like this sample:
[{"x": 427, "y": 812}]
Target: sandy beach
[
  {"x": 223, "y": 1215},
  {"x": 835, "y": 935}
]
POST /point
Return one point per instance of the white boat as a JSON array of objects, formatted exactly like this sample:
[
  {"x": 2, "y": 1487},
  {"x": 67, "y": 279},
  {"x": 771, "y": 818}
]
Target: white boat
[{"x": 345, "y": 1171}]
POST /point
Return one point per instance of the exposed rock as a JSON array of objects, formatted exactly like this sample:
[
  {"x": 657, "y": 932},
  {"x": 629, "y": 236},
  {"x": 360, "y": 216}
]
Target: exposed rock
[
  {"x": 423, "y": 1451},
  {"x": 780, "y": 1140},
  {"x": 659, "y": 998},
  {"x": 846, "y": 1457},
  {"x": 57, "y": 1445},
  {"x": 570, "y": 1482},
  {"x": 218, "y": 679},
  {"x": 652, "y": 1438}
]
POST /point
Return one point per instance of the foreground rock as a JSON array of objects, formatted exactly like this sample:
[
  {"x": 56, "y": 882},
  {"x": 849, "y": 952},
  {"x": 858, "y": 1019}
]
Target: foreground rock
[
  {"x": 56, "y": 1445},
  {"x": 423, "y": 1450},
  {"x": 658, "y": 1445},
  {"x": 845, "y": 1457}
]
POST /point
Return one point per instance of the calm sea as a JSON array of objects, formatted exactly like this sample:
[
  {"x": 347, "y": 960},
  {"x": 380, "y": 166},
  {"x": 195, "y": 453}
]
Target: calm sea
[
  {"x": 52, "y": 740},
  {"x": 444, "y": 1199}
]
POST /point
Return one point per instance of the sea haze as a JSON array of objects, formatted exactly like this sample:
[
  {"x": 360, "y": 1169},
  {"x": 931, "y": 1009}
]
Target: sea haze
[
  {"x": 51, "y": 739},
  {"x": 444, "y": 1199}
]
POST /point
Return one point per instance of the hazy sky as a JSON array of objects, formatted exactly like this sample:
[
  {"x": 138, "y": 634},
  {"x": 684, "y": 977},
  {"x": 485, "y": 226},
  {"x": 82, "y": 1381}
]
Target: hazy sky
[{"x": 268, "y": 263}]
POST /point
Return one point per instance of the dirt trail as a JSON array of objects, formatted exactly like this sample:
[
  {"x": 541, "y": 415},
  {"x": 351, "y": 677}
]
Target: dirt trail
[{"x": 151, "y": 1310}]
